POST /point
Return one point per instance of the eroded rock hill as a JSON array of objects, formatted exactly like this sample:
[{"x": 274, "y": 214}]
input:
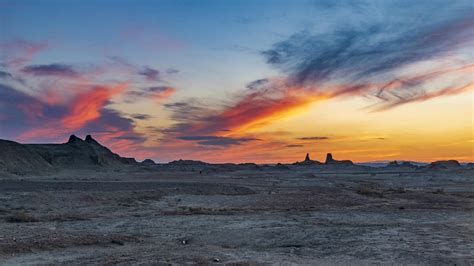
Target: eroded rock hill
[{"x": 76, "y": 153}]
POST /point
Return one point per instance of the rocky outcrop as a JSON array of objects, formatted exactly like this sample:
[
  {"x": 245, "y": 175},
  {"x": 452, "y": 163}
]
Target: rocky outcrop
[
  {"x": 75, "y": 153},
  {"x": 79, "y": 153},
  {"x": 148, "y": 162},
  {"x": 186, "y": 163},
  {"x": 396, "y": 165},
  {"x": 440, "y": 165},
  {"x": 330, "y": 160},
  {"x": 408, "y": 165},
  {"x": 307, "y": 161},
  {"x": 393, "y": 164}
]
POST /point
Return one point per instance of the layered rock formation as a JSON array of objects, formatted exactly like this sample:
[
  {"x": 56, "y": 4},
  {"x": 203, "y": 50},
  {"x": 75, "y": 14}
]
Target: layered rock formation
[{"x": 75, "y": 153}]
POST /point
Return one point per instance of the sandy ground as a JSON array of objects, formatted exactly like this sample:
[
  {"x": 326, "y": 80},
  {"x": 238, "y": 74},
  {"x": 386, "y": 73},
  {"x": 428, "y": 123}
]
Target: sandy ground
[{"x": 295, "y": 216}]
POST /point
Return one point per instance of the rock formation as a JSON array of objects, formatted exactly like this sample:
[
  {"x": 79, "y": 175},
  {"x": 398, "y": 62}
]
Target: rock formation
[
  {"x": 330, "y": 160},
  {"x": 75, "y": 153},
  {"x": 448, "y": 164},
  {"x": 393, "y": 164},
  {"x": 307, "y": 161},
  {"x": 408, "y": 165},
  {"x": 148, "y": 162}
]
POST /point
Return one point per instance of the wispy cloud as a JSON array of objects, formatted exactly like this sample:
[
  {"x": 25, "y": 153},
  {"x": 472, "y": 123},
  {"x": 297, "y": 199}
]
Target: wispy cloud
[
  {"x": 20, "y": 52},
  {"x": 314, "y": 138},
  {"x": 367, "y": 57},
  {"x": 150, "y": 74},
  {"x": 5, "y": 75},
  {"x": 62, "y": 70},
  {"x": 216, "y": 140},
  {"x": 294, "y": 145},
  {"x": 157, "y": 93},
  {"x": 87, "y": 106}
]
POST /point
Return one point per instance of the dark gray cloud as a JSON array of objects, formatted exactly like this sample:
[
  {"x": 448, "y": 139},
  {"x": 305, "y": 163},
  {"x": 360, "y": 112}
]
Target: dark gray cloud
[
  {"x": 156, "y": 92},
  {"x": 51, "y": 70},
  {"x": 141, "y": 116},
  {"x": 216, "y": 140},
  {"x": 188, "y": 111},
  {"x": 257, "y": 84},
  {"x": 5, "y": 75},
  {"x": 294, "y": 145},
  {"x": 150, "y": 74},
  {"x": 314, "y": 138}
]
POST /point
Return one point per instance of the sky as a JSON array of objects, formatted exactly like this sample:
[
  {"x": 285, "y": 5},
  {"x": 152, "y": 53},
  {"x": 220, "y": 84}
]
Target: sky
[{"x": 242, "y": 81}]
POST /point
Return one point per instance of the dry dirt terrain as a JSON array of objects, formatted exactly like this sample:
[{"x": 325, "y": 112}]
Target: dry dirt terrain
[{"x": 299, "y": 215}]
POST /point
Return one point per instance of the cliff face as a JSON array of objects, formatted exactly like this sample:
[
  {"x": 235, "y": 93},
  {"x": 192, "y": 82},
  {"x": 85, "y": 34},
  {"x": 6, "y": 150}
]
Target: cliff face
[{"x": 76, "y": 153}]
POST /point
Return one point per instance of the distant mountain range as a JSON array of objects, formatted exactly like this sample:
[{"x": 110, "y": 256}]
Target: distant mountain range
[
  {"x": 385, "y": 163},
  {"x": 88, "y": 154}
]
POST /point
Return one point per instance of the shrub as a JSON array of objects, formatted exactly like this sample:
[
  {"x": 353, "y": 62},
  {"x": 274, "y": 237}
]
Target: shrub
[{"x": 21, "y": 217}]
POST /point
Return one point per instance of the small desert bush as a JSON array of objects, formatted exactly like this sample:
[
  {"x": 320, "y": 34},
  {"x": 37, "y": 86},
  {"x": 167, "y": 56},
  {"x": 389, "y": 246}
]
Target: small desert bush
[
  {"x": 21, "y": 217},
  {"x": 397, "y": 190},
  {"x": 200, "y": 211},
  {"x": 369, "y": 191}
]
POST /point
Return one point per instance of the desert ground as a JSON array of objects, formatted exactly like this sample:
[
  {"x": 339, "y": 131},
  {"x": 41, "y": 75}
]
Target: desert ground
[{"x": 267, "y": 215}]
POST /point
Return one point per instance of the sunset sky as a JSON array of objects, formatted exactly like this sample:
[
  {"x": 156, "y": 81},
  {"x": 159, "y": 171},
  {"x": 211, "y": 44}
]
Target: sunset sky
[{"x": 242, "y": 81}]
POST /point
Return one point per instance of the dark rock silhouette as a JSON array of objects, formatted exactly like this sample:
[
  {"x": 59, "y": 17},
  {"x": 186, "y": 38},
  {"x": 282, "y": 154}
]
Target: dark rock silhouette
[
  {"x": 330, "y": 160},
  {"x": 393, "y": 164},
  {"x": 75, "y": 153},
  {"x": 448, "y": 164},
  {"x": 148, "y": 162},
  {"x": 282, "y": 166},
  {"x": 74, "y": 140},
  {"x": 89, "y": 154},
  {"x": 89, "y": 139},
  {"x": 408, "y": 165},
  {"x": 307, "y": 161},
  {"x": 187, "y": 163}
]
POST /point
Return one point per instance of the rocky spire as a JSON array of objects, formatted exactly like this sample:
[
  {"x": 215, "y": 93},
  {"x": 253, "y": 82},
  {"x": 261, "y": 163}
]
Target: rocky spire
[
  {"x": 307, "y": 157},
  {"x": 90, "y": 139},
  {"x": 74, "y": 139},
  {"x": 329, "y": 158}
]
